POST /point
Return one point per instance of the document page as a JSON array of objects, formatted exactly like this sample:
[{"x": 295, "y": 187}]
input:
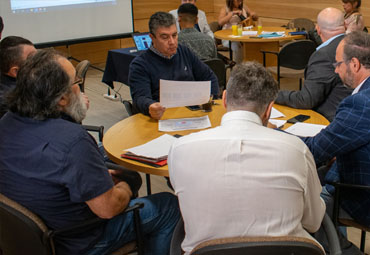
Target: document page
[
  {"x": 305, "y": 129},
  {"x": 184, "y": 124},
  {"x": 183, "y": 93},
  {"x": 275, "y": 114}
]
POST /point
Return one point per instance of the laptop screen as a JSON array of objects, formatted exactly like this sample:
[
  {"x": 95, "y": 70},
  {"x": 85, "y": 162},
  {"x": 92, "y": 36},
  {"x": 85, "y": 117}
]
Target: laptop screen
[{"x": 142, "y": 41}]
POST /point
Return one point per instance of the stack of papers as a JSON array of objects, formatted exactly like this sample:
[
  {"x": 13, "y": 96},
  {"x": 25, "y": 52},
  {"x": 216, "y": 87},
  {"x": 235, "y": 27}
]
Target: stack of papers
[
  {"x": 154, "y": 153},
  {"x": 184, "y": 124},
  {"x": 305, "y": 129},
  {"x": 249, "y": 32},
  {"x": 266, "y": 34}
]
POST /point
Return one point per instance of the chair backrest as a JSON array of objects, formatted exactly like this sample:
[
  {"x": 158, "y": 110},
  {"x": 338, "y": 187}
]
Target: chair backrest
[
  {"x": 302, "y": 24},
  {"x": 214, "y": 26},
  {"x": 21, "y": 231},
  {"x": 218, "y": 67},
  {"x": 81, "y": 70},
  {"x": 296, "y": 54},
  {"x": 259, "y": 245}
]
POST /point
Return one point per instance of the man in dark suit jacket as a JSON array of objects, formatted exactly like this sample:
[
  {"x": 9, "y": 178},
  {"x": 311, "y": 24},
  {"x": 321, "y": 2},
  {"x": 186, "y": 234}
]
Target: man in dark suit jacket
[
  {"x": 348, "y": 137},
  {"x": 323, "y": 89}
]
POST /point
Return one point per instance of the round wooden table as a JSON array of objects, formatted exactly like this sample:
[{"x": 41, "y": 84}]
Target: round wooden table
[
  {"x": 252, "y": 46},
  {"x": 139, "y": 129}
]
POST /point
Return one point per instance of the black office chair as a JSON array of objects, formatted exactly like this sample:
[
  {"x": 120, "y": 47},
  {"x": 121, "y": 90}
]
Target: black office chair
[
  {"x": 218, "y": 67},
  {"x": 23, "y": 232},
  {"x": 338, "y": 221},
  {"x": 81, "y": 70},
  {"x": 292, "y": 60}
]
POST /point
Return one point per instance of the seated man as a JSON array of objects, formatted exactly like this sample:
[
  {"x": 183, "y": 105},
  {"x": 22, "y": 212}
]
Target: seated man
[
  {"x": 164, "y": 60},
  {"x": 323, "y": 90},
  {"x": 53, "y": 167},
  {"x": 202, "y": 45},
  {"x": 201, "y": 25},
  {"x": 242, "y": 178},
  {"x": 13, "y": 52},
  {"x": 348, "y": 137}
]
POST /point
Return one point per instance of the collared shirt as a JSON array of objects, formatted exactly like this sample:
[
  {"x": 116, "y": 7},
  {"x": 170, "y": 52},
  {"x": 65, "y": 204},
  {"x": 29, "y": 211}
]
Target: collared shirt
[
  {"x": 328, "y": 41},
  {"x": 357, "y": 89},
  {"x": 159, "y": 53},
  {"x": 243, "y": 179}
]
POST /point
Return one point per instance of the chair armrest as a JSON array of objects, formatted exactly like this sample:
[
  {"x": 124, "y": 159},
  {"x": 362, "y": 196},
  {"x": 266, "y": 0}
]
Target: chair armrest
[
  {"x": 332, "y": 235},
  {"x": 99, "y": 129},
  {"x": 349, "y": 186}
]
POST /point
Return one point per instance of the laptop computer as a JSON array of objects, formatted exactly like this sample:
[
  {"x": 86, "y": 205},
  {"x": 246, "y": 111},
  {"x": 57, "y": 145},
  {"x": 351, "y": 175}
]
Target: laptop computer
[{"x": 142, "y": 41}]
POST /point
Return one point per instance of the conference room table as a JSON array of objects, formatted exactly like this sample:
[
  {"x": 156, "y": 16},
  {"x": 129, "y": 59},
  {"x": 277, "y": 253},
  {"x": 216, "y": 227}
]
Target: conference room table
[
  {"x": 139, "y": 129},
  {"x": 252, "y": 44}
]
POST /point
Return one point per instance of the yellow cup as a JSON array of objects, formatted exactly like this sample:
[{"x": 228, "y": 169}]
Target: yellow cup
[
  {"x": 235, "y": 29},
  {"x": 259, "y": 29},
  {"x": 240, "y": 30}
]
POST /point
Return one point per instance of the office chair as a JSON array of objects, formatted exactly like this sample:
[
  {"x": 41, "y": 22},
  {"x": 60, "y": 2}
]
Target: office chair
[
  {"x": 218, "y": 67},
  {"x": 338, "y": 221},
  {"x": 81, "y": 70},
  {"x": 214, "y": 26},
  {"x": 292, "y": 60},
  {"x": 23, "y": 232}
]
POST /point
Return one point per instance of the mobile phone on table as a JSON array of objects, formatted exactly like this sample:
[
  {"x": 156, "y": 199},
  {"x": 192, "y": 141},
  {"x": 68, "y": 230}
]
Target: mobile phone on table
[
  {"x": 194, "y": 107},
  {"x": 298, "y": 118}
]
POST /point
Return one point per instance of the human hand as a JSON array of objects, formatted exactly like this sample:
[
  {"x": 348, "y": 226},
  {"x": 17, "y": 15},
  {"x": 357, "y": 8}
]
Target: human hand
[
  {"x": 86, "y": 100},
  {"x": 239, "y": 12},
  {"x": 156, "y": 110},
  {"x": 270, "y": 125}
]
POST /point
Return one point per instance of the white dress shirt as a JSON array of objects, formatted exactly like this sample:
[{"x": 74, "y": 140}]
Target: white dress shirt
[
  {"x": 202, "y": 22},
  {"x": 243, "y": 179}
]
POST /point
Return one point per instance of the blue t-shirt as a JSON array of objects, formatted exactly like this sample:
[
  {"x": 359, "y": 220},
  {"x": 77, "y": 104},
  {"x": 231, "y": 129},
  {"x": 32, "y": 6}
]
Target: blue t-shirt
[{"x": 53, "y": 167}]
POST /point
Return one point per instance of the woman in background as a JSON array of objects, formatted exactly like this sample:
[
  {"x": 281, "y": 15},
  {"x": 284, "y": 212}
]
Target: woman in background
[
  {"x": 233, "y": 13},
  {"x": 353, "y": 20}
]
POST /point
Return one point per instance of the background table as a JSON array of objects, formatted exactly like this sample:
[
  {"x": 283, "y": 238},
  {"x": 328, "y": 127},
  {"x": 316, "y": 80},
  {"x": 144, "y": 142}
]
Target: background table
[
  {"x": 252, "y": 46},
  {"x": 139, "y": 129}
]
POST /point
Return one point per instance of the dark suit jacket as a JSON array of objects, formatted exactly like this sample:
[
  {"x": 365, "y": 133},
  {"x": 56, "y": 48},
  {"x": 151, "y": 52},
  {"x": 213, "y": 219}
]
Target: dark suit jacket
[
  {"x": 348, "y": 139},
  {"x": 323, "y": 90},
  {"x": 7, "y": 84}
]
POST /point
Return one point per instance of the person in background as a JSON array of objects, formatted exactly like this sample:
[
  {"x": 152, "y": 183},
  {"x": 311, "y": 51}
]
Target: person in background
[
  {"x": 14, "y": 50},
  {"x": 353, "y": 20},
  {"x": 201, "y": 25},
  {"x": 231, "y": 14},
  {"x": 323, "y": 89},
  {"x": 202, "y": 45},
  {"x": 165, "y": 59}
]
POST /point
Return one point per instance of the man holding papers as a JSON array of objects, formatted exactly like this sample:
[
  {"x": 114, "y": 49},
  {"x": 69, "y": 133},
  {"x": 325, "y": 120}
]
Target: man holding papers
[
  {"x": 164, "y": 60},
  {"x": 242, "y": 178},
  {"x": 348, "y": 137}
]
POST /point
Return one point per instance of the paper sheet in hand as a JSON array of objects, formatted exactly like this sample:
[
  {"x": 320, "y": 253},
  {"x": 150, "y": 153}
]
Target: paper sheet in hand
[
  {"x": 276, "y": 114},
  {"x": 277, "y": 123},
  {"x": 155, "y": 149},
  {"x": 183, "y": 93},
  {"x": 305, "y": 129},
  {"x": 184, "y": 124}
]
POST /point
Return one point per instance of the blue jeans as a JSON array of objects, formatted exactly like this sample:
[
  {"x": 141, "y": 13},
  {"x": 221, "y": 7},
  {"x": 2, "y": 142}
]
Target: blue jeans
[{"x": 158, "y": 219}]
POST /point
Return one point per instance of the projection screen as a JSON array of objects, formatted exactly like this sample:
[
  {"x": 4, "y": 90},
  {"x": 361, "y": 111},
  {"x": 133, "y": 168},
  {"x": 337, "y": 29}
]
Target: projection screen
[{"x": 58, "y": 22}]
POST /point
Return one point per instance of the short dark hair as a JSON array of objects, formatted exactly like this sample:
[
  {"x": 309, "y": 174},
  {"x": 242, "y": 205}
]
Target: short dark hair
[
  {"x": 11, "y": 52},
  {"x": 41, "y": 82},
  {"x": 250, "y": 85},
  {"x": 160, "y": 19},
  {"x": 189, "y": 12},
  {"x": 353, "y": 2},
  {"x": 357, "y": 45}
]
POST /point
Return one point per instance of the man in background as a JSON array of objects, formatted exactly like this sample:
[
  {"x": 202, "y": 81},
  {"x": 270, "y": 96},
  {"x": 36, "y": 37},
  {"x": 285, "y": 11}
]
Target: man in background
[
  {"x": 242, "y": 178},
  {"x": 53, "y": 167},
  {"x": 322, "y": 90},
  {"x": 202, "y": 45},
  {"x": 167, "y": 60},
  {"x": 202, "y": 23},
  {"x": 14, "y": 50}
]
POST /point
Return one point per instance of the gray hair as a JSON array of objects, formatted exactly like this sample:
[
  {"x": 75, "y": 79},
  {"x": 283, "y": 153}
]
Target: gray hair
[
  {"x": 357, "y": 45},
  {"x": 251, "y": 87},
  {"x": 160, "y": 19}
]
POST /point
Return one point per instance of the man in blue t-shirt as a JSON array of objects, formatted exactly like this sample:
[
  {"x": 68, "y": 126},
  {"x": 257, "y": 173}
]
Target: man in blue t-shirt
[
  {"x": 166, "y": 60},
  {"x": 52, "y": 166}
]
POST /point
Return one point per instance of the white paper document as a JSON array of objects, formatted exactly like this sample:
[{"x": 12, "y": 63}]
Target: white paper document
[
  {"x": 155, "y": 149},
  {"x": 305, "y": 129},
  {"x": 277, "y": 123},
  {"x": 249, "y": 32},
  {"x": 183, "y": 93},
  {"x": 276, "y": 114},
  {"x": 184, "y": 124}
]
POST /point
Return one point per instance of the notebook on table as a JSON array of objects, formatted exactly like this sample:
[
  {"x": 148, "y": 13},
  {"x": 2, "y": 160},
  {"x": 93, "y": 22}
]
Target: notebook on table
[{"x": 142, "y": 41}]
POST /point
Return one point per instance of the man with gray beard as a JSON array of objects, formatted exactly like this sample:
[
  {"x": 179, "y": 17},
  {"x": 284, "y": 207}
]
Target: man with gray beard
[{"x": 53, "y": 167}]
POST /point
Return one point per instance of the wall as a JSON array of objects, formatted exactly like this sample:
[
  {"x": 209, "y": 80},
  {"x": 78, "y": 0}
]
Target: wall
[{"x": 272, "y": 13}]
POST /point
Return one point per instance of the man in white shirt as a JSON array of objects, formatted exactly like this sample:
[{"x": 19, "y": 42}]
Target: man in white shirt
[
  {"x": 202, "y": 24},
  {"x": 242, "y": 178}
]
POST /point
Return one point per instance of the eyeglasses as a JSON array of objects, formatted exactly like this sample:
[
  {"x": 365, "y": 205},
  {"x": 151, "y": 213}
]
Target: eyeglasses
[
  {"x": 337, "y": 64},
  {"x": 78, "y": 80}
]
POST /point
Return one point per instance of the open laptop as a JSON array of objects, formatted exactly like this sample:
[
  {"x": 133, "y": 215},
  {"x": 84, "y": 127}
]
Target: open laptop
[{"x": 142, "y": 41}]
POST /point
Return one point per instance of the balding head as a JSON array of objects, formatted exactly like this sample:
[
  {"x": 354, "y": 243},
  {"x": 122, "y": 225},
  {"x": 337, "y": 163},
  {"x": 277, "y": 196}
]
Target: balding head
[{"x": 330, "y": 22}]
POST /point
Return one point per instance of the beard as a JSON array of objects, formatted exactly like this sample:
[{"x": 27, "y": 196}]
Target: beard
[
  {"x": 348, "y": 80},
  {"x": 77, "y": 108}
]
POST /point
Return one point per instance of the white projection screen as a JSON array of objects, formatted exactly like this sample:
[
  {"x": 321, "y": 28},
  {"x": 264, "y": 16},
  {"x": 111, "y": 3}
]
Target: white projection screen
[{"x": 58, "y": 22}]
